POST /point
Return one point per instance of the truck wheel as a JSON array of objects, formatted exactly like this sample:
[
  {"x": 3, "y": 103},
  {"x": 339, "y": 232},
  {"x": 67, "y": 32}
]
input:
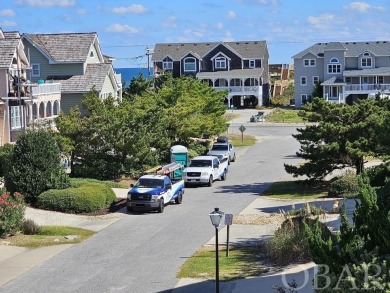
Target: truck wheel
[
  {"x": 129, "y": 209},
  {"x": 179, "y": 198},
  {"x": 223, "y": 177},
  {"x": 210, "y": 181},
  {"x": 160, "y": 208},
  {"x": 234, "y": 158}
]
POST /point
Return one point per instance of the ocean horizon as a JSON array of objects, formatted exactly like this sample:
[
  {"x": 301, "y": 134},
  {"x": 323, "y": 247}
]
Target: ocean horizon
[{"x": 129, "y": 73}]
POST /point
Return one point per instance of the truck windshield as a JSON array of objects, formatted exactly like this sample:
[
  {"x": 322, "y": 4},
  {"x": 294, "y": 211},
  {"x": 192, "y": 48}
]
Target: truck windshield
[
  {"x": 220, "y": 147},
  {"x": 200, "y": 163},
  {"x": 151, "y": 183}
]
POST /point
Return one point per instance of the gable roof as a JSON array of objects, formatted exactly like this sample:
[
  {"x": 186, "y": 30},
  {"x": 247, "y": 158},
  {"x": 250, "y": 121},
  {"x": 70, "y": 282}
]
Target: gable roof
[
  {"x": 67, "y": 47},
  {"x": 10, "y": 45},
  {"x": 245, "y": 49},
  {"x": 94, "y": 76},
  {"x": 352, "y": 49}
]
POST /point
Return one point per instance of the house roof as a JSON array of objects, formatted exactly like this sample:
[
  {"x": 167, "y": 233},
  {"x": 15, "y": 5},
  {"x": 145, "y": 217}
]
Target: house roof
[
  {"x": 334, "y": 80},
  {"x": 352, "y": 49},
  {"x": 237, "y": 73},
  {"x": 366, "y": 72},
  {"x": 245, "y": 49},
  {"x": 8, "y": 46},
  {"x": 66, "y": 47},
  {"x": 94, "y": 76}
]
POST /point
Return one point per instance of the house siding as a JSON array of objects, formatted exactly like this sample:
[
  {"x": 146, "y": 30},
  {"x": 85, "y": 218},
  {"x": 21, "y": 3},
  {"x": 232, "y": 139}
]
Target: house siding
[
  {"x": 71, "y": 100},
  {"x": 108, "y": 87},
  {"x": 4, "y": 83},
  {"x": 95, "y": 59}
]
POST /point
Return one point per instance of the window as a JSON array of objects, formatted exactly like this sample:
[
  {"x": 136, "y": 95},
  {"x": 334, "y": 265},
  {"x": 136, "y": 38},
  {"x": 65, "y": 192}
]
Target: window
[
  {"x": 334, "y": 68},
  {"x": 15, "y": 117},
  {"x": 220, "y": 63},
  {"x": 189, "y": 64},
  {"x": 366, "y": 60},
  {"x": 348, "y": 79},
  {"x": 167, "y": 65},
  {"x": 303, "y": 99},
  {"x": 91, "y": 54},
  {"x": 303, "y": 80},
  {"x": 36, "y": 70},
  {"x": 380, "y": 79},
  {"x": 252, "y": 63},
  {"x": 309, "y": 62},
  {"x": 316, "y": 79}
]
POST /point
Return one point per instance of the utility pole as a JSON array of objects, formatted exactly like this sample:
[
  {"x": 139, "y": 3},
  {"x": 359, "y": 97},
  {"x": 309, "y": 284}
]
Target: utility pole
[{"x": 148, "y": 53}]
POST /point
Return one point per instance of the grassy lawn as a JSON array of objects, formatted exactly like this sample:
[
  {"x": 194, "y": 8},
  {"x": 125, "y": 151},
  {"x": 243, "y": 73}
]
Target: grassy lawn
[
  {"x": 296, "y": 190},
  {"x": 50, "y": 235},
  {"x": 248, "y": 140},
  {"x": 241, "y": 263},
  {"x": 284, "y": 116}
]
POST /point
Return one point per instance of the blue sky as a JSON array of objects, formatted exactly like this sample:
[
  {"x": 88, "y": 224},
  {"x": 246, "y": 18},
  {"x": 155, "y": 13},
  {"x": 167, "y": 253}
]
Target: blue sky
[{"x": 126, "y": 28}]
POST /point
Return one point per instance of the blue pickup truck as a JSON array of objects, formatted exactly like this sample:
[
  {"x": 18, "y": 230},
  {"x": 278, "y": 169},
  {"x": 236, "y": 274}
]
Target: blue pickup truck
[{"x": 154, "y": 191}]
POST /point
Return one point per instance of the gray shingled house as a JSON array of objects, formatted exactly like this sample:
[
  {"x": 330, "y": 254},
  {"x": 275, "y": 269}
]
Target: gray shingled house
[
  {"x": 22, "y": 102},
  {"x": 75, "y": 61},
  {"x": 241, "y": 68},
  {"x": 347, "y": 71}
]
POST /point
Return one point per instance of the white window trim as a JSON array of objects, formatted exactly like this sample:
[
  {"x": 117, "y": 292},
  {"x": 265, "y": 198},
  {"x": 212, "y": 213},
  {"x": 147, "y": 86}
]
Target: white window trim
[
  {"x": 37, "y": 69},
  {"x": 314, "y": 79},
  {"x": 220, "y": 63},
  {"x": 365, "y": 58},
  {"x": 252, "y": 63},
  {"x": 303, "y": 78},
  {"x": 167, "y": 65},
  {"x": 16, "y": 115},
  {"x": 192, "y": 70},
  {"x": 311, "y": 62}
]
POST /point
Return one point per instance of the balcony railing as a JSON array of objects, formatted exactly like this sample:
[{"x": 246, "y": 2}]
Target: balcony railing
[
  {"x": 240, "y": 89},
  {"x": 367, "y": 87},
  {"x": 45, "y": 89}
]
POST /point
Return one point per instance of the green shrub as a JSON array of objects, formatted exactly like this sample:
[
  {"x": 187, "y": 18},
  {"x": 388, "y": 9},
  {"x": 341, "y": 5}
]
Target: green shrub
[
  {"x": 86, "y": 198},
  {"x": 378, "y": 174},
  {"x": 77, "y": 182},
  {"x": 346, "y": 186},
  {"x": 12, "y": 209},
  {"x": 5, "y": 158},
  {"x": 30, "y": 227},
  {"x": 35, "y": 165}
]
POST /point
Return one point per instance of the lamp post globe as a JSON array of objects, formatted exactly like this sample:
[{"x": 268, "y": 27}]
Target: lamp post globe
[{"x": 216, "y": 217}]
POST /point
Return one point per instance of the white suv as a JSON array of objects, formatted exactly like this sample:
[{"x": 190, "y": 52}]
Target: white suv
[{"x": 224, "y": 148}]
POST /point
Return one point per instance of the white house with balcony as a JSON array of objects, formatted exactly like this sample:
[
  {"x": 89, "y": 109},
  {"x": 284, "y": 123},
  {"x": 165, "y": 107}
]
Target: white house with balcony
[
  {"x": 240, "y": 68},
  {"x": 22, "y": 103},
  {"x": 347, "y": 71}
]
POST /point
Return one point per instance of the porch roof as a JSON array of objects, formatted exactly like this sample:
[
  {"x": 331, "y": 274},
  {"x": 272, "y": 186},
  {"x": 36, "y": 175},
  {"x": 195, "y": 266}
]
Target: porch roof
[
  {"x": 366, "y": 72},
  {"x": 235, "y": 73},
  {"x": 334, "y": 80}
]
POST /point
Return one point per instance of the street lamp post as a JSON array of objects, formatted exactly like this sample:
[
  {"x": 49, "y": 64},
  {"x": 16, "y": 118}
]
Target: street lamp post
[{"x": 216, "y": 217}]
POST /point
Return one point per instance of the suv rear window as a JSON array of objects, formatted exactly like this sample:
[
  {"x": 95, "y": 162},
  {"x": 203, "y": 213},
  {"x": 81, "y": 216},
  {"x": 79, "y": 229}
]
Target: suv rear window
[{"x": 220, "y": 147}]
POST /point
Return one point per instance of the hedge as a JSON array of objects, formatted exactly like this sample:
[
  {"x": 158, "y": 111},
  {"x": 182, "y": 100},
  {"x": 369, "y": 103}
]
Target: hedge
[{"x": 86, "y": 198}]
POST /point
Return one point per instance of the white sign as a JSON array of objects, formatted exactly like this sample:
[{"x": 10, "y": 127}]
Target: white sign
[{"x": 228, "y": 219}]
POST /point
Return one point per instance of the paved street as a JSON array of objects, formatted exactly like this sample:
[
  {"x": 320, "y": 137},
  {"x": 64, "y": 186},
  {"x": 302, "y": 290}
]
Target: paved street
[{"x": 143, "y": 252}]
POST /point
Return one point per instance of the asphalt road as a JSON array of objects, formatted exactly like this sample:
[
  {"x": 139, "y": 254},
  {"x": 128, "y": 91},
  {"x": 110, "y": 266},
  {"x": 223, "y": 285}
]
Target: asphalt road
[{"x": 143, "y": 252}]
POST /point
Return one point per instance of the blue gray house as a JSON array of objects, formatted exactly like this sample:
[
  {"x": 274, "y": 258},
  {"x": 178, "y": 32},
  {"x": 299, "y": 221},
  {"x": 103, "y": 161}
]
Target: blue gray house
[{"x": 347, "y": 71}]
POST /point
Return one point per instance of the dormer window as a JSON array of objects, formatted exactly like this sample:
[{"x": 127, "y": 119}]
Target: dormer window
[
  {"x": 220, "y": 63},
  {"x": 334, "y": 66},
  {"x": 190, "y": 64},
  {"x": 167, "y": 65},
  {"x": 252, "y": 63},
  {"x": 366, "y": 60}
]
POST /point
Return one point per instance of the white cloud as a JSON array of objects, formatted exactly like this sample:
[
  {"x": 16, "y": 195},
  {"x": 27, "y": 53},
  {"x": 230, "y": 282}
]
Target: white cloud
[
  {"x": 231, "y": 15},
  {"x": 193, "y": 33},
  {"x": 7, "y": 23},
  {"x": 81, "y": 11},
  {"x": 170, "y": 22},
  {"x": 7, "y": 12},
  {"x": 119, "y": 28},
  {"x": 46, "y": 3},
  {"x": 228, "y": 37},
  {"x": 363, "y": 7},
  {"x": 219, "y": 25},
  {"x": 132, "y": 9},
  {"x": 320, "y": 21}
]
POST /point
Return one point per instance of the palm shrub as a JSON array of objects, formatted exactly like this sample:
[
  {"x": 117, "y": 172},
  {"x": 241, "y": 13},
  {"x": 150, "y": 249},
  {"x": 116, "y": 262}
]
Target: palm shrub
[
  {"x": 12, "y": 209},
  {"x": 35, "y": 165}
]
